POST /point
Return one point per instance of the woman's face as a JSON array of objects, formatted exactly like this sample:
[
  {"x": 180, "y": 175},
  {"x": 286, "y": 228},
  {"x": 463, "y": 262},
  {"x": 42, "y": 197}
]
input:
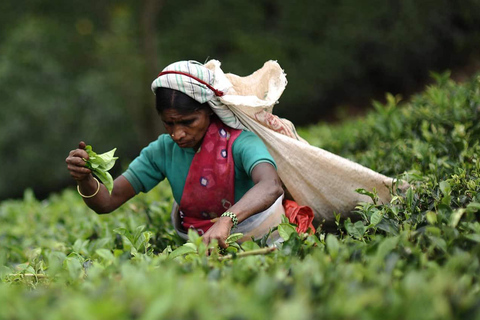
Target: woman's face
[{"x": 187, "y": 130}]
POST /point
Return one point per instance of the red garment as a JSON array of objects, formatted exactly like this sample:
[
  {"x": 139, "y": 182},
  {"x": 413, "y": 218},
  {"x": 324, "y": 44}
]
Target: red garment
[
  {"x": 302, "y": 216},
  {"x": 210, "y": 186}
]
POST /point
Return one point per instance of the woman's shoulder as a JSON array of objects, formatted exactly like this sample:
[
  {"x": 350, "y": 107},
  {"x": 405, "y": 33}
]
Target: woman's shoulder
[
  {"x": 249, "y": 150},
  {"x": 247, "y": 137},
  {"x": 248, "y": 142},
  {"x": 250, "y": 145}
]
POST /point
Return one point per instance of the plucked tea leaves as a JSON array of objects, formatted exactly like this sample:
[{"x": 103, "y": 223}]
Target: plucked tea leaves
[{"x": 100, "y": 164}]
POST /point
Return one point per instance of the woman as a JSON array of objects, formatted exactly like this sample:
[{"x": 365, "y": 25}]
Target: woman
[{"x": 220, "y": 176}]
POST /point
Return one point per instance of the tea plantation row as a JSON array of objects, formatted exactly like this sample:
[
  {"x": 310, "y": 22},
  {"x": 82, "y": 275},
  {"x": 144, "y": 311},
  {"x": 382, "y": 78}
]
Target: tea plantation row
[{"x": 414, "y": 258}]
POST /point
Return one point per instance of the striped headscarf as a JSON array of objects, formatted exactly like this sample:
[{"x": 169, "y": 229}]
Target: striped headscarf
[{"x": 198, "y": 82}]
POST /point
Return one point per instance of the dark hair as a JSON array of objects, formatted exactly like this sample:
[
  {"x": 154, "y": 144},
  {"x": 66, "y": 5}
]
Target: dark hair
[{"x": 166, "y": 98}]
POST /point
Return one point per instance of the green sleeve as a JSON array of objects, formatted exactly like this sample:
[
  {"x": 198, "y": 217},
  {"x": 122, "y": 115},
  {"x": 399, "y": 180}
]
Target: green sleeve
[
  {"x": 248, "y": 151},
  {"x": 146, "y": 171}
]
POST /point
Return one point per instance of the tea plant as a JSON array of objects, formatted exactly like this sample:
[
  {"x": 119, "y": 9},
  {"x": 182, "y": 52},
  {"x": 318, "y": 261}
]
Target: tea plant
[
  {"x": 100, "y": 164},
  {"x": 416, "y": 257}
]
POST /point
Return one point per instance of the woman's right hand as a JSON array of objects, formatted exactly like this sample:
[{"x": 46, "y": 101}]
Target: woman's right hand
[
  {"x": 76, "y": 164},
  {"x": 102, "y": 201}
]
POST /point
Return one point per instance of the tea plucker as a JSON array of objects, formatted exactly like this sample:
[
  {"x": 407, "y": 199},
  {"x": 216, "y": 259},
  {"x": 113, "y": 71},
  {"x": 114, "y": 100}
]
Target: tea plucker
[{"x": 222, "y": 178}]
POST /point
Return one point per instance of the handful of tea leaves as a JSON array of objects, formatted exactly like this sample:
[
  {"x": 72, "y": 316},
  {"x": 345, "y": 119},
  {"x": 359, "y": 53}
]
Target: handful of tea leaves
[{"x": 100, "y": 164}]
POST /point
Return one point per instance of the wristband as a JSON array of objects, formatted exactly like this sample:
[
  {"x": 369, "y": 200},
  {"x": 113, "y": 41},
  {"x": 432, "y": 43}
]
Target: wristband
[
  {"x": 93, "y": 195},
  {"x": 233, "y": 216}
]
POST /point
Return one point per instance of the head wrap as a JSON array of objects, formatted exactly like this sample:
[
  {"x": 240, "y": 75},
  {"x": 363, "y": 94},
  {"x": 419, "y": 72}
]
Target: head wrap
[
  {"x": 199, "y": 83},
  {"x": 189, "y": 77}
]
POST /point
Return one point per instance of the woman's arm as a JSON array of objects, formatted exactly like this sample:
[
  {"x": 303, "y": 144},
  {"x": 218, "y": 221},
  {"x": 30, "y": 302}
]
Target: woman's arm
[
  {"x": 103, "y": 201},
  {"x": 260, "y": 197}
]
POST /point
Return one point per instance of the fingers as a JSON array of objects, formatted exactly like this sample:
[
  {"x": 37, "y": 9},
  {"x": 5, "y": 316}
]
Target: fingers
[
  {"x": 206, "y": 240},
  {"x": 79, "y": 173},
  {"x": 77, "y": 157},
  {"x": 81, "y": 153},
  {"x": 222, "y": 243},
  {"x": 220, "y": 232},
  {"x": 78, "y": 169},
  {"x": 76, "y": 163},
  {"x": 221, "y": 240}
]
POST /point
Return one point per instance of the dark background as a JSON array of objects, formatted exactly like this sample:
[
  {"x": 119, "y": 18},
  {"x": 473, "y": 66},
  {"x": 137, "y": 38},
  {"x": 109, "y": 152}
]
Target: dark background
[{"x": 81, "y": 70}]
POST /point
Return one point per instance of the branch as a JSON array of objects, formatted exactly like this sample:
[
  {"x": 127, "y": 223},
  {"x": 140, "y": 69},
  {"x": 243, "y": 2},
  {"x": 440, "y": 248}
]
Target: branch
[
  {"x": 27, "y": 275},
  {"x": 262, "y": 251}
]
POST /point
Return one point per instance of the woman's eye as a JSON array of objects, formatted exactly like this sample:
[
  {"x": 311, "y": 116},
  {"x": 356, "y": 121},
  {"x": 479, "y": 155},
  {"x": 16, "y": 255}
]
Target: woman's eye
[
  {"x": 187, "y": 122},
  {"x": 183, "y": 123}
]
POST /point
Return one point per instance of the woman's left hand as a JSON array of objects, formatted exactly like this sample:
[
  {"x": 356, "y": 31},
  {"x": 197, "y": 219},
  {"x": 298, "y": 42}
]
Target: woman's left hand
[{"x": 219, "y": 231}]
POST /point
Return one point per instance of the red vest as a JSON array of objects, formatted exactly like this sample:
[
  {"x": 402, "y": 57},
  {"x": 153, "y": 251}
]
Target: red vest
[{"x": 210, "y": 186}]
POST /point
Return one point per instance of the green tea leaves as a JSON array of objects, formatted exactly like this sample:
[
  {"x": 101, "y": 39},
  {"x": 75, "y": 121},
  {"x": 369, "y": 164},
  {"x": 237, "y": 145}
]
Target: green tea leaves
[
  {"x": 285, "y": 230},
  {"x": 183, "y": 250},
  {"x": 333, "y": 246},
  {"x": 234, "y": 237},
  {"x": 376, "y": 218},
  {"x": 419, "y": 250},
  {"x": 100, "y": 164}
]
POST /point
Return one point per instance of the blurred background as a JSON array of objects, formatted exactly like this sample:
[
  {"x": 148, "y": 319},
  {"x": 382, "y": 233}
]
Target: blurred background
[{"x": 81, "y": 70}]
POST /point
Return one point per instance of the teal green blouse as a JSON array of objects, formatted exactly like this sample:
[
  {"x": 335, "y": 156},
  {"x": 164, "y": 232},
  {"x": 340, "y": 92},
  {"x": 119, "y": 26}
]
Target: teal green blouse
[{"x": 163, "y": 158}]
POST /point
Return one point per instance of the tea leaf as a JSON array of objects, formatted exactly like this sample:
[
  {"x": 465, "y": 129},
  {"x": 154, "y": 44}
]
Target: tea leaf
[
  {"x": 356, "y": 229},
  {"x": 285, "y": 230},
  {"x": 473, "y": 237},
  {"x": 473, "y": 207},
  {"x": 105, "y": 254},
  {"x": 234, "y": 237},
  {"x": 376, "y": 218},
  {"x": 250, "y": 245},
  {"x": 456, "y": 216},
  {"x": 100, "y": 164},
  {"x": 445, "y": 188},
  {"x": 333, "y": 246},
  {"x": 386, "y": 246},
  {"x": 431, "y": 217},
  {"x": 185, "y": 249}
]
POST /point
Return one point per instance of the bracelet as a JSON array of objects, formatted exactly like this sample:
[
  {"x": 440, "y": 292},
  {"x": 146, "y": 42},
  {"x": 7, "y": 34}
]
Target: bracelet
[
  {"x": 93, "y": 195},
  {"x": 233, "y": 216}
]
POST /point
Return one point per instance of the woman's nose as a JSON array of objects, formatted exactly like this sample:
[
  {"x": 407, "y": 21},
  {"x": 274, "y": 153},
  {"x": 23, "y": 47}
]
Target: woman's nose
[{"x": 178, "y": 133}]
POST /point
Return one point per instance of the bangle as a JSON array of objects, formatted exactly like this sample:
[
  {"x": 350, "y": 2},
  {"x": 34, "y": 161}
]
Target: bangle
[
  {"x": 93, "y": 195},
  {"x": 233, "y": 216}
]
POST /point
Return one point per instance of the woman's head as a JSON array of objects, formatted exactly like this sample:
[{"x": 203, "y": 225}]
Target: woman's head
[{"x": 185, "y": 119}]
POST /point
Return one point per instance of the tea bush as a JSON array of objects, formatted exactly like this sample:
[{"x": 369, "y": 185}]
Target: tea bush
[{"x": 414, "y": 258}]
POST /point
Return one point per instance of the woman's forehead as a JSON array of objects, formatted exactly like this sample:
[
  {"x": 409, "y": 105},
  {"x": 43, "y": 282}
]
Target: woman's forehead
[{"x": 173, "y": 114}]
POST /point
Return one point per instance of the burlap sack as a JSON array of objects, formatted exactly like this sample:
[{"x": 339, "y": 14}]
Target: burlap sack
[{"x": 314, "y": 177}]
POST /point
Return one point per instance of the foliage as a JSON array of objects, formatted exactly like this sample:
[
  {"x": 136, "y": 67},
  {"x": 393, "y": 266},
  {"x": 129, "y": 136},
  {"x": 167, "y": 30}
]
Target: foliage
[
  {"x": 81, "y": 70},
  {"x": 100, "y": 164},
  {"x": 334, "y": 52},
  {"x": 417, "y": 257},
  {"x": 49, "y": 105}
]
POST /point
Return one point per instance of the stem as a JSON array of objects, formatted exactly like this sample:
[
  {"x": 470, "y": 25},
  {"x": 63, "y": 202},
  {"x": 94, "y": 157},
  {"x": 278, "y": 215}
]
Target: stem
[
  {"x": 262, "y": 251},
  {"x": 28, "y": 275}
]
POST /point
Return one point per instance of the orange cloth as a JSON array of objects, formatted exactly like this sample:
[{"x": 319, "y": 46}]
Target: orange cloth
[{"x": 302, "y": 216}]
